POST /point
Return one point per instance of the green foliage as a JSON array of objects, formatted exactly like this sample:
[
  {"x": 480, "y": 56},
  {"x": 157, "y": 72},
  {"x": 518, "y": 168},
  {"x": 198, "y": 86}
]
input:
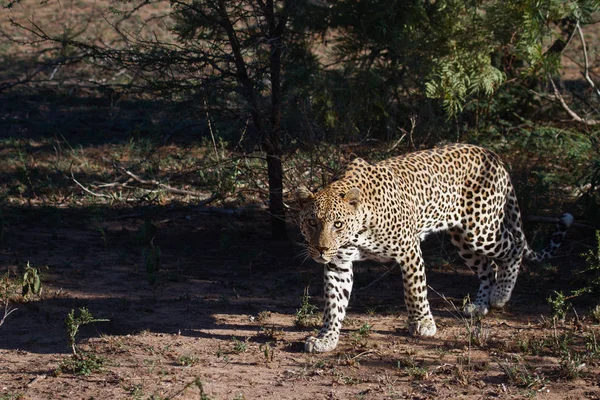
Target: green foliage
[
  {"x": 268, "y": 352},
  {"x": 83, "y": 363},
  {"x": 32, "y": 283},
  {"x": 592, "y": 271},
  {"x": 12, "y": 396},
  {"x": 520, "y": 374},
  {"x": 306, "y": 313},
  {"x": 588, "y": 278},
  {"x": 572, "y": 365},
  {"x": 188, "y": 360},
  {"x": 453, "y": 51},
  {"x": 558, "y": 305},
  {"x": 239, "y": 346},
  {"x": 361, "y": 335},
  {"x": 73, "y": 323},
  {"x": 457, "y": 77}
]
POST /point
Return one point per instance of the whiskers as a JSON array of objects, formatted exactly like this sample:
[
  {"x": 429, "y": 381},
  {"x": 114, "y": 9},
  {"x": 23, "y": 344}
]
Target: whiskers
[{"x": 304, "y": 253}]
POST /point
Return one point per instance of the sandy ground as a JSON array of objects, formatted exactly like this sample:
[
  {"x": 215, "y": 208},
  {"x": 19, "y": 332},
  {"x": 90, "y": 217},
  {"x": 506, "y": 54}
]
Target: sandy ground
[{"x": 221, "y": 317}]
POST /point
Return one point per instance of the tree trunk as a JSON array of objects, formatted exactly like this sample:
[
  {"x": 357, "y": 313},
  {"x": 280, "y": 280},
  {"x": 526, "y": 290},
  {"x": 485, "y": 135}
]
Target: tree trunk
[
  {"x": 271, "y": 134},
  {"x": 273, "y": 138}
]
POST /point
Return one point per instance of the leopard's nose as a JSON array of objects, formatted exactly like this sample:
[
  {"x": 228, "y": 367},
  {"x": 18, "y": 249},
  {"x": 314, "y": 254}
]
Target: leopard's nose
[{"x": 322, "y": 250}]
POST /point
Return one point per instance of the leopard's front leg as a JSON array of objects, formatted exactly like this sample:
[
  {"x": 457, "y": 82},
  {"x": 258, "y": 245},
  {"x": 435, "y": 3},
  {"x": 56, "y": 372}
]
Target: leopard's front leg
[
  {"x": 420, "y": 320},
  {"x": 338, "y": 286}
]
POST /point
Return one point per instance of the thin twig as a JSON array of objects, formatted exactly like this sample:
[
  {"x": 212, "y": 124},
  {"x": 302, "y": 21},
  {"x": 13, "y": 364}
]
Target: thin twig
[
  {"x": 413, "y": 124},
  {"x": 7, "y": 311},
  {"x": 586, "y": 74},
  {"x": 167, "y": 187},
  {"x": 212, "y": 135},
  {"x": 573, "y": 114},
  {"x": 364, "y": 353},
  {"x": 88, "y": 190},
  {"x": 380, "y": 278}
]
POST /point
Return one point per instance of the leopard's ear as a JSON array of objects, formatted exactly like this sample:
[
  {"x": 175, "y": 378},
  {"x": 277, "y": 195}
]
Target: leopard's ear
[
  {"x": 352, "y": 196},
  {"x": 304, "y": 196}
]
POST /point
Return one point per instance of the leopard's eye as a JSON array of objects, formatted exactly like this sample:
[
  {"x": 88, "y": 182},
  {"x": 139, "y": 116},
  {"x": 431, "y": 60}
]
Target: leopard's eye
[
  {"x": 338, "y": 224},
  {"x": 312, "y": 222}
]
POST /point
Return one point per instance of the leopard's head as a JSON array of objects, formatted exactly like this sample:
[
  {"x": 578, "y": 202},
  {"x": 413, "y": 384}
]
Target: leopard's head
[{"x": 329, "y": 219}]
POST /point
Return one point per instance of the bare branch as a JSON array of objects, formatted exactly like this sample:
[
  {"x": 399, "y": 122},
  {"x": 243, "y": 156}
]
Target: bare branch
[
  {"x": 387, "y": 271},
  {"x": 573, "y": 114},
  {"x": 586, "y": 72},
  {"x": 88, "y": 190},
  {"x": 413, "y": 124},
  {"x": 7, "y": 311},
  {"x": 167, "y": 187}
]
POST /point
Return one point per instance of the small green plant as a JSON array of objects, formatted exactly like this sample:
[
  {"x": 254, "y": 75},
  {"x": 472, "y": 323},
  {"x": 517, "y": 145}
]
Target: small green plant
[
  {"x": 136, "y": 391},
  {"x": 268, "y": 352},
  {"x": 263, "y": 316},
  {"x": 533, "y": 346},
  {"x": 271, "y": 332},
  {"x": 365, "y": 329},
  {"x": 406, "y": 362},
  {"x": 306, "y": 313},
  {"x": 12, "y": 396},
  {"x": 360, "y": 336},
  {"x": 188, "y": 360},
  {"x": 572, "y": 365},
  {"x": 73, "y": 323},
  {"x": 83, "y": 363},
  {"x": 592, "y": 272},
  {"x": 418, "y": 373},
  {"x": 32, "y": 283},
  {"x": 558, "y": 305},
  {"x": 519, "y": 374},
  {"x": 562, "y": 343},
  {"x": 591, "y": 344},
  {"x": 239, "y": 346}
]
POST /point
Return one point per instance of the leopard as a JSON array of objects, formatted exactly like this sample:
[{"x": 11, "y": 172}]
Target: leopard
[{"x": 383, "y": 211}]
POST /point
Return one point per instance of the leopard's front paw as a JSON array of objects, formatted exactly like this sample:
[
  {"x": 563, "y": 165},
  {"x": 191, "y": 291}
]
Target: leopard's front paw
[
  {"x": 319, "y": 345},
  {"x": 424, "y": 327}
]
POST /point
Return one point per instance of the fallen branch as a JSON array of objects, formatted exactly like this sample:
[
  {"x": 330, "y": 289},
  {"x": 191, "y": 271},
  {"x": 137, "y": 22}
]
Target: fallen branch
[
  {"x": 88, "y": 190},
  {"x": 167, "y": 188}
]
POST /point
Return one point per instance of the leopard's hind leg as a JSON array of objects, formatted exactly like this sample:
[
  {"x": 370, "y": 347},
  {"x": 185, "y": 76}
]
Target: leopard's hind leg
[{"x": 482, "y": 266}]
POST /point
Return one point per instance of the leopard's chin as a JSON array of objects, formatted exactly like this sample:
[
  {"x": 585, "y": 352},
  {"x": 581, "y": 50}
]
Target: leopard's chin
[{"x": 321, "y": 260}]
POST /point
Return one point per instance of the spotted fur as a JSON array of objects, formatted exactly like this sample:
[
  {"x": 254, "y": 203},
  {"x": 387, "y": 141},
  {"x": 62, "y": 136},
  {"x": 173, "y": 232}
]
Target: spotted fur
[{"x": 383, "y": 211}]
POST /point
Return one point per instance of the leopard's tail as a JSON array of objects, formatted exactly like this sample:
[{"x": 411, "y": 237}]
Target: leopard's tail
[{"x": 564, "y": 222}]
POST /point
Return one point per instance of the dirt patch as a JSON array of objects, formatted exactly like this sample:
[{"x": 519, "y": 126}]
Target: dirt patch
[{"x": 219, "y": 322}]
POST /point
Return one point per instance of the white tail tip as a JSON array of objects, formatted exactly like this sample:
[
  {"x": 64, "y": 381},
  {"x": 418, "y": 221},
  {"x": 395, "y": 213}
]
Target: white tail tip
[{"x": 566, "y": 219}]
